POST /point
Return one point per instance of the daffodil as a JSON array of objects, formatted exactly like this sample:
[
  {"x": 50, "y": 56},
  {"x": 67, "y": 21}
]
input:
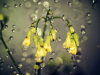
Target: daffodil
[
  {"x": 53, "y": 34},
  {"x": 71, "y": 29},
  {"x": 67, "y": 42},
  {"x": 41, "y": 52},
  {"x": 73, "y": 48},
  {"x": 27, "y": 40},
  {"x": 33, "y": 29},
  {"x": 76, "y": 38},
  {"x": 36, "y": 39},
  {"x": 47, "y": 45}
]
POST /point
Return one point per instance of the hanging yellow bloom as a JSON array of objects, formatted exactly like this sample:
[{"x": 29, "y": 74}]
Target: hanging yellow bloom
[
  {"x": 53, "y": 34},
  {"x": 36, "y": 66},
  {"x": 27, "y": 40},
  {"x": 73, "y": 48},
  {"x": 41, "y": 52},
  {"x": 50, "y": 12},
  {"x": 67, "y": 42},
  {"x": 71, "y": 29},
  {"x": 76, "y": 38},
  {"x": 47, "y": 45},
  {"x": 1, "y": 17},
  {"x": 41, "y": 41},
  {"x": 33, "y": 29},
  {"x": 36, "y": 39}
]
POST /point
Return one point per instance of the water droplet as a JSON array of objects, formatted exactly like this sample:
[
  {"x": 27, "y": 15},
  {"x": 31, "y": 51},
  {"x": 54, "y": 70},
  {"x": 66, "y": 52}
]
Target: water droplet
[
  {"x": 13, "y": 30},
  {"x": 89, "y": 22},
  {"x": 83, "y": 31},
  {"x": 6, "y": 56},
  {"x": 1, "y": 68},
  {"x": 83, "y": 26},
  {"x": 34, "y": 17},
  {"x": 28, "y": 60},
  {"x": 63, "y": 18},
  {"x": 28, "y": 4},
  {"x": 58, "y": 39},
  {"x": 87, "y": 57},
  {"x": 20, "y": 5},
  {"x": 6, "y": 26},
  {"x": 13, "y": 26},
  {"x": 1, "y": 63},
  {"x": 69, "y": 3},
  {"x": 98, "y": 46},
  {"x": 35, "y": 0},
  {"x": 53, "y": 53},
  {"x": 11, "y": 37},
  {"x": 88, "y": 14},
  {"x": 36, "y": 11},
  {"x": 24, "y": 54},
  {"x": 39, "y": 2},
  {"x": 42, "y": 64},
  {"x": 15, "y": 5},
  {"x": 75, "y": 66},
  {"x": 14, "y": 71},
  {"x": 51, "y": 60},
  {"x": 79, "y": 48},
  {"x": 11, "y": 66},
  {"x": 17, "y": 74},
  {"x": 20, "y": 65},
  {"x": 46, "y": 4},
  {"x": 5, "y": 5},
  {"x": 22, "y": 59},
  {"x": 85, "y": 38},
  {"x": 78, "y": 60},
  {"x": 56, "y": 1}
]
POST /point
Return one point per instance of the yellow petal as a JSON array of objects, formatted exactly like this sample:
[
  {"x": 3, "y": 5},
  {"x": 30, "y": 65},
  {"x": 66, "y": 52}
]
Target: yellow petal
[
  {"x": 38, "y": 59},
  {"x": 41, "y": 52},
  {"x": 76, "y": 38},
  {"x": 47, "y": 47},
  {"x": 67, "y": 42},
  {"x": 36, "y": 66},
  {"x": 73, "y": 48},
  {"x": 36, "y": 39},
  {"x": 71, "y": 29},
  {"x": 1, "y": 17},
  {"x": 53, "y": 33},
  {"x": 26, "y": 42},
  {"x": 29, "y": 34},
  {"x": 33, "y": 30}
]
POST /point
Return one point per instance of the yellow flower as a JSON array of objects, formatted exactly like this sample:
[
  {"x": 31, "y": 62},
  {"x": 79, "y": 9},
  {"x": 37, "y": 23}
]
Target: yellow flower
[
  {"x": 29, "y": 34},
  {"x": 27, "y": 40},
  {"x": 1, "y": 17},
  {"x": 33, "y": 29},
  {"x": 50, "y": 12},
  {"x": 41, "y": 52},
  {"x": 41, "y": 41},
  {"x": 26, "y": 73},
  {"x": 53, "y": 34},
  {"x": 67, "y": 42},
  {"x": 76, "y": 38},
  {"x": 36, "y": 66},
  {"x": 47, "y": 45},
  {"x": 73, "y": 48},
  {"x": 71, "y": 29},
  {"x": 36, "y": 39}
]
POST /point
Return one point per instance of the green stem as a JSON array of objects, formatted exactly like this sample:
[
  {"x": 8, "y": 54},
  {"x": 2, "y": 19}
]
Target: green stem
[{"x": 7, "y": 49}]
